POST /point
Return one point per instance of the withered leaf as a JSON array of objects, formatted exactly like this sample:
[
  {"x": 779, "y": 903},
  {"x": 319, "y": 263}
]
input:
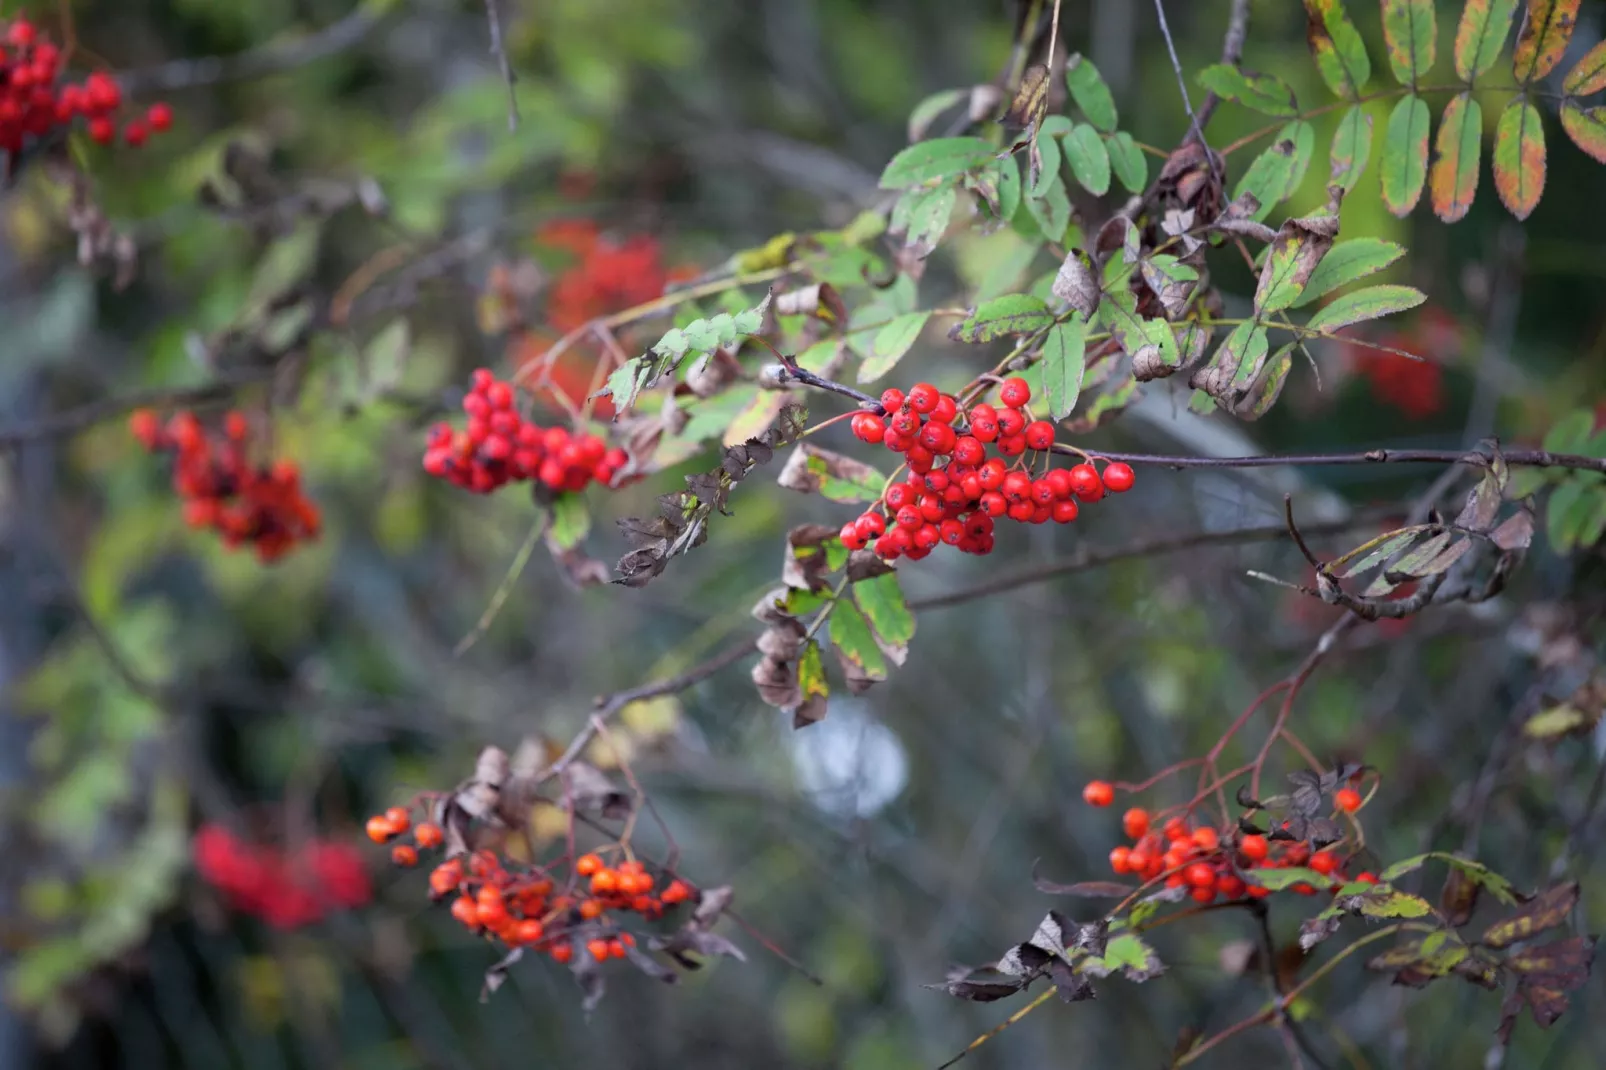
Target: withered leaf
[
  {"x": 816, "y": 299},
  {"x": 587, "y": 788},
  {"x": 835, "y": 476},
  {"x": 866, "y": 565},
  {"x": 1070, "y": 986},
  {"x": 805, "y": 565},
  {"x": 1030, "y": 103},
  {"x": 1076, "y": 284},
  {"x": 1459, "y": 898},
  {"x": 1313, "y": 931},
  {"x": 1482, "y": 505},
  {"x": 1307, "y": 795},
  {"x": 980, "y": 991},
  {"x": 1024, "y": 960},
  {"x": 1514, "y": 533},
  {"x": 1549, "y": 972},
  {"x": 650, "y": 966},
  {"x": 1544, "y": 911},
  {"x": 496, "y": 974},
  {"x": 777, "y": 683},
  {"x": 1081, "y": 889}
]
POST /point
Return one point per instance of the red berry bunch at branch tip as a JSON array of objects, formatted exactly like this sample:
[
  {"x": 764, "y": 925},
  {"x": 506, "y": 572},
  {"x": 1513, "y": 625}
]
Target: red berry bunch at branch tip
[
  {"x": 287, "y": 890},
  {"x": 498, "y": 446},
  {"x": 1212, "y": 863},
  {"x": 955, "y": 491},
  {"x": 223, "y": 489},
  {"x": 558, "y": 909},
  {"x": 34, "y": 101}
]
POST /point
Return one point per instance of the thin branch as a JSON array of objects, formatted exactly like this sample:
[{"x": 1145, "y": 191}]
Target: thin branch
[
  {"x": 1521, "y": 458},
  {"x": 1176, "y": 66},
  {"x": 1232, "y": 50},
  {"x": 1091, "y": 559},
  {"x": 499, "y": 50},
  {"x": 258, "y": 62}
]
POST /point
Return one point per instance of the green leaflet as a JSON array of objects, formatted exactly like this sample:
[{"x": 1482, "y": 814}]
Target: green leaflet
[
  {"x": 1346, "y": 261},
  {"x": 1352, "y": 145},
  {"x": 1405, "y": 154}
]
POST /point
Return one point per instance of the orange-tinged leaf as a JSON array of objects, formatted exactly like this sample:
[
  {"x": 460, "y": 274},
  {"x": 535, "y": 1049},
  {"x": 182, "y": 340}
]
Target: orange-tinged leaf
[
  {"x": 1587, "y": 128},
  {"x": 1481, "y": 35},
  {"x": 1410, "y": 32},
  {"x": 1453, "y": 182},
  {"x": 1588, "y": 74},
  {"x": 1340, "y": 53},
  {"x": 1519, "y": 158},
  {"x": 1546, "y": 29},
  {"x": 1352, "y": 144},
  {"x": 1405, "y": 154}
]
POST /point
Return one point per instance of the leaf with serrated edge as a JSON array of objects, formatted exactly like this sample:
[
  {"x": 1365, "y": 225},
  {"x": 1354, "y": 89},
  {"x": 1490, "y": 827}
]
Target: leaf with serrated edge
[
  {"x": 1587, "y": 128},
  {"x": 926, "y": 112},
  {"x": 1052, "y": 210},
  {"x": 1409, "y": 31},
  {"x": 1352, "y": 145},
  {"x": 1127, "y": 161},
  {"x": 1003, "y": 316},
  {"x": 1347, "y": 261},
  {"x": 1588, "y": 74},
  {"x": 1090, "y": 160},
  {"x": 881, "y": 600},
  {"x": 855, "y": 644},
  {"x": 1370, "y": 303},
  {"x": 1481, "y": 35},
  {"x": 892, "y": 341},
  {"x": 944, "y": 157},
  {"x": 1090, "y": 93},
  {"x": 1519, "y": 158},
  {"x": 1294, "y": 254},
  {"x": 1404, "y": 165},
  {"x": 1491, "y": 882},
  {"x": 1274, "y": 175},
  {"x": 1453, "y": 179},
  {"x": 1340, "y": 53},
  {"x": 1546, "y": 910},
  {"x": 834, "y": 476},
  {"x": 1265, "y": 93},
  {"x": 1064, "y": 353},
  {"x": 1542, "y": 41}
]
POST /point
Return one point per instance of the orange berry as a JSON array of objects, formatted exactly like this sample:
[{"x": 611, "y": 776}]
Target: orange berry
[
  {"x": 429, "y": 834},
  {"x": 1297, "y": 854},
  {"x": 398, "y": 818},
  {"x": 528, "y": 931},
  {"x": 1347, "y": 800},
  {"x": 1172, "y": 859},
  {"x": 605, "y": 881},
  {"x": 1323, "y": 862},
  {"x": 1135, "y": 822},
  {"x": 1206, "y": 839},
  {"x": 562, "y": 953},
  {"x": 1257, "y": 891},
  {"x": 1230, "y": 886},
  {"x": 677, "y": 892},
  {"x": 1200, "y": 875},
  {"x": 599, "y": 949},
  {"x": 1137, "y": 859},
  {"x": 380, "y": 829},
  {"x": 617, "y": 949},
  {"x": 1176, "y": 829},
  {"x": 1204, "y": 893},
  {"x": 444, "y": 878},
  {"x": 1121, "y": 860},
  {"x": 1176, "y": 880},
  {"x": 1253, "y": 847},
  {"x": 591, "y": 910},
  {"x": 587, "y": 865},
  {"x": 627, "y": 940},
  {"x": 1098, "y": 793},
  {"x": 404, "y": 855},
  {"x": 1305, "y": 889},
  {"x": 464, "y": 910}
]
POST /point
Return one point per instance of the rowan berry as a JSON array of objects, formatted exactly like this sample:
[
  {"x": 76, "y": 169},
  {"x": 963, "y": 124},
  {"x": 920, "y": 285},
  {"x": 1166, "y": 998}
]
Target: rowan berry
[
  {"x": 892, "y": 399},
  {"x": 1230, "y": 886},
  {"x": 968, "y": 450},
  {"x": 428, "y": 834},
  {"x": 1015, "y": 392},
  {"x": 466, "y": 912},
  {"x": 1347, "y": 800},
  {"x": 599, "y": 949},
  {"x": 562, "y": 953},
  {"x": 947, "y": 410},
  {"x": 404, "y": 854},
  {"x": 868, "y": 427},
  {"x": 529, "y": 931},
  {"x": 591, "y": 909},
  {"x": 1012, "y": 445},
  {"x": 923, "y": 398},
  {"x": 1098, "y": 792},
  {"x": 938, "y": 438},
  {"x": 677, "y": 892},
  {"x": 1366, "y": 878},
  {"x": 1323, "y": 862},
  {"x": 1176, "y": 828},
  {"x": 399, "y": 818},
  {"x": 1303, "y": 888},
  {"x": 1065, "y": 512},
  {"x": 588, "y": 865},
  {"x": 1121, "y": 860},
  {"x": 1204, "y": 893},
  {"x": 1137, "y": 860},
  {"x": 1176, "y": 880},
  {"x": 1254, "y": 847},
  {"x": 1135, "y": 822},
  {"x": 871, "y": 525},
  {"x": 1085, "y": 482},
  {"x": 160, "y": 116},
  {"x": 1042, "y": 492},
  {"x": 905, "y": 422},
  {"x": 851, "y": 539},
  {"x": 445, "y": 878},
  {"x": 604, "y": 882},
  {"x": 1039, "y": 435},
  {"x": 380, "y": 829},
  {"x": 1118, "y": 477},
  {"x": 1206, "y": 838},
  {"x": 136, "y": 133},
  {"x": 1011, "y": 423}
]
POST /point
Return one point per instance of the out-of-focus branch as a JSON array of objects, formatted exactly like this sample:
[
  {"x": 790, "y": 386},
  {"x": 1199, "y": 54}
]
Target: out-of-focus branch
[
  {"x": 1232, "y": 50},
  {"x": 257, "y": 62}
]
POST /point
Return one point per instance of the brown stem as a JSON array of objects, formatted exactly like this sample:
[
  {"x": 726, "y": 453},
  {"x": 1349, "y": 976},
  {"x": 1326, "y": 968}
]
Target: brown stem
[{"x": 1232, "y": 50}]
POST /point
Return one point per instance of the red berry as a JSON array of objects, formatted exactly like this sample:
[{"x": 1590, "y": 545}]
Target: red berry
[
  {"x": 1230, "y": 886},
  {"x": 851, "y": 539},
  {"x": 160, "y": 116},
  {"x": 379, "y": 829},
  {"x": 1085, "y": 483},
  {"x": 428, "y": 834},
  {"x": 870, "y": 525},
  {"x": 968, "y": 450},
  {"x": 1135, "y": 822},
  {"x": 1010, "y": 423},
  {"x": 136, "y": 132},
  {"x": 1121, "y": 860},
  {"x": 1347, "y": 800},
  {"x": 404, "y": 854},
  {"x": 1118, "y": 477},
  {"x": 1175, "y": 829},
  {"x": 938, "y": 438},
  {"x": 1323, "y": 862},
  {"x": 102, "y": 130},
  {"x": 923, "y": 398},
  {"x": 1206, "y": 839},
  {"x": 1012, "y": 445},
  {"x": 892, "y": 399},
  {"x": 947, "y": 410},
  {"x": 588, "y": 865},
  {"x": 1098, "y": 792},
  {"x": 1015, "y": 392},
  {"x": 1065, "y": 512},
  {"x": 1039, "y": 435},
  {"x": 1200, "y": 875},
  {"x": 1366, "y": 878},
  {"x": 868, "y": 427}
]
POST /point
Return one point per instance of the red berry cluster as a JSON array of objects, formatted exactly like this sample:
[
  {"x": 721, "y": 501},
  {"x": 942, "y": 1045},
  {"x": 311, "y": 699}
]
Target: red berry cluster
[
  {"x": 956, "y": 502},
  {"x": 223, "y": 489},
  {"x": 529, "y": 908},
  {"x": 1210, "y": 862},
  {"x": 606, "y": 277},
  {"x": 32, "y": 103},
  {"x": 285, "y": 891},
  {"x": 498, "y": 446}
]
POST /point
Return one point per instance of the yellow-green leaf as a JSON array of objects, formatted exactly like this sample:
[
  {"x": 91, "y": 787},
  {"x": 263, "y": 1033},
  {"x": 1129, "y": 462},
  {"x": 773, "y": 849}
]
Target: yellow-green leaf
[
  {"x": 1588, "y": 74},
  {"x": 1265, "y": 93},
  {"x": 855, "y": 644},
  {"x": 943, "y": 157},
  {"x": 1453, "y": 181},
  {"x": 1519, "y": 158},
  {"x": 1481, "y": 35},
  {"x": 1346, "y": 261},
  {"x": 1340, "y": 53},
  {"x": 891, "y": 342},
  {"x": 1370, "y": 303},
  {"x": 571, "y": 521},
  {"x": 881, "y": 599},
  {"x": 1274, "y": 175},
  {"x": 1587, "y": 128},
  {"x": 1002, "y": 316},
  {"x": 1091, "y": 94},
  {"x": 1541, "y": 43},
  {"x": 1410, "y": 33},
  {"x": 1352, "y": 144},
  {"x": 1405, "y": 154}
]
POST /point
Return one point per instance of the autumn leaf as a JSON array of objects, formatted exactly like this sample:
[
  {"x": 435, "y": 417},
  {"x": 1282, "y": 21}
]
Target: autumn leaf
[
  {"x": 1352, "y": 145},
  {"x": 1481, "y": 35},
  {"x": 1519, "y": 158},
  {"x": 1587, "y": 128},
  {"x": 1542, "y": 41},
  {"x": 1409, "y": 32},
  {"x": 1453, "y": 180},
  {"x": 1340, "y": 53},
  {"x": 1405, "y": 154}
]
